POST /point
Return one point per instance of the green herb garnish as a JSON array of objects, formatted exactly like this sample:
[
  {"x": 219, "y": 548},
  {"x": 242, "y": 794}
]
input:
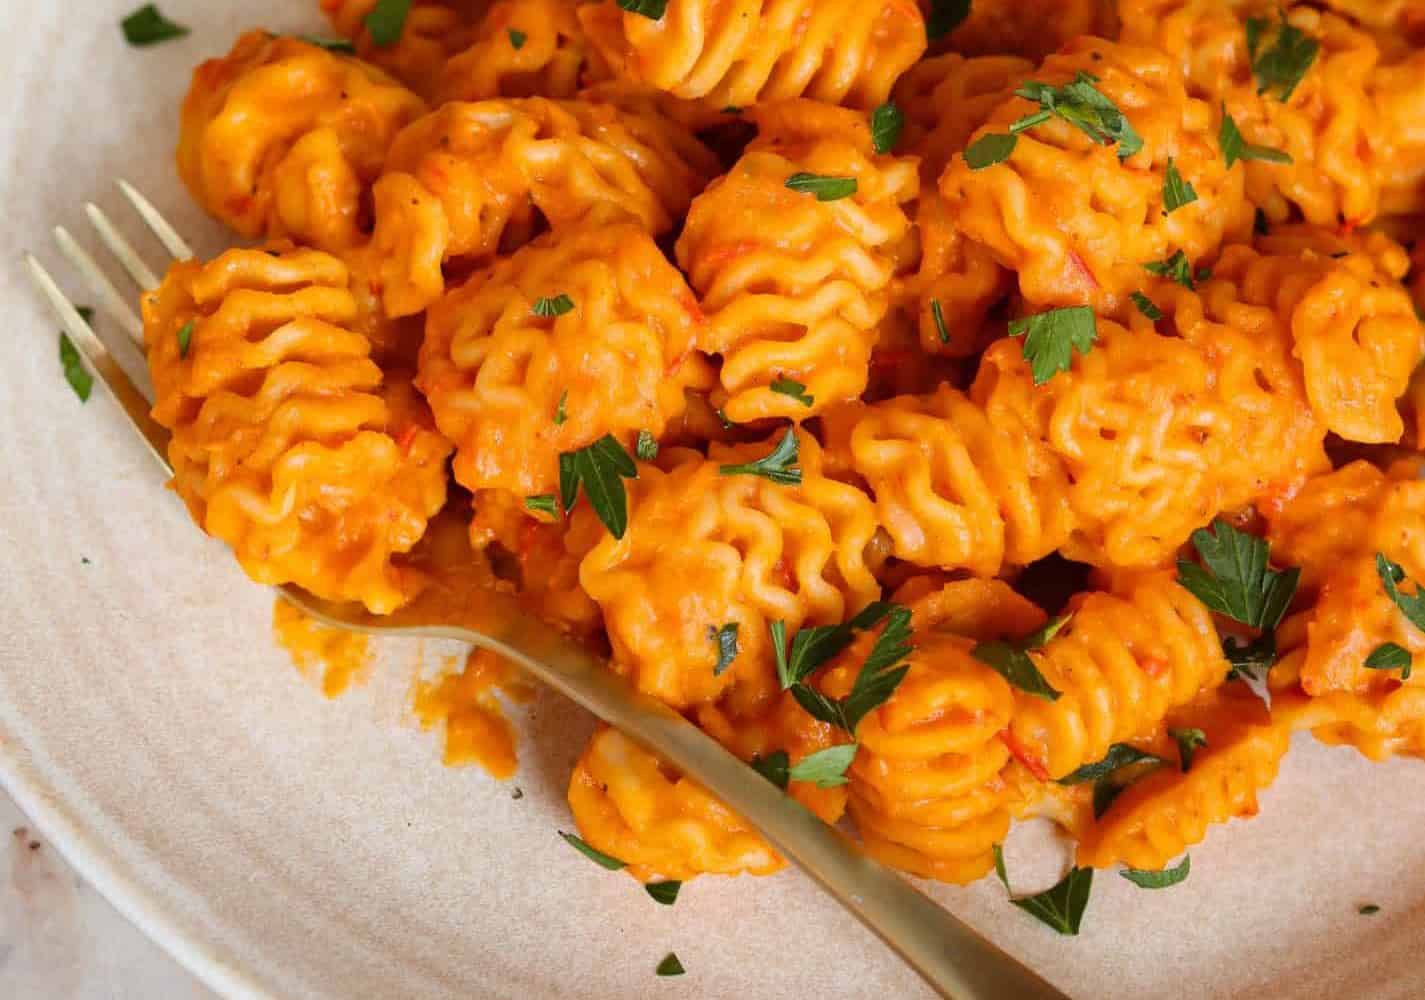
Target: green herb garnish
[
  {"x": 663, "y": 892},
  {"x": 1175, "y": 267},
  {"x": 653, "y": 10},
  {"x": 1050, "y": 338},
  {"x": 1235, "y": 147},
  {"x": 726, "y": 640},
  {"x": 646, "y": 447},
  {"x": 944, "y": 17},
  {"x": 594, "y": 855},
  {"x": 1084, "y": 106},
  {"x": 825, "y": 188},
  {"x": 147, "y": 26},
  {"x": 793, "y": 388},
  {"x": 1119, "y": 756},
  {"x": 1234, "y": 579},
  {"x": 517, "y": 40},
  {"x": 343, "y": 45},
  {"x": 1144, "y": 879},
  {"x": 1146, "y": 307},
  {"x": 1011, "y": 660},
  {"x": 543, "y": 503},
  {"x": 1392, "y": 574},
  {"x": 886, "y": 124},
  {"x": 825, "y": 768},
  {"x": 387, "y": 21},
  {"x": 780, "y": 466},
  {"x": 1176, "y": 191},
  {"x": 879, "y": 675},
  {"x": 937, "y": 315},
  {"x": 601, "y": 469},
  {"x": 1283, "y": 64},
  {"x": 1390, "y": 656},
  {"x": 1189, "y": 740},
  {"x": 775, "y": 767},
  {"x": 989, "y": 149},
  {"x": 556, "y": 306},
  {"x": 1061, "y": 907}
]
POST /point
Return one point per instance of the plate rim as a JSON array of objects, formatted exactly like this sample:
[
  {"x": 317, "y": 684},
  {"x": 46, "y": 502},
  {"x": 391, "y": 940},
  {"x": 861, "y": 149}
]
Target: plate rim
[{"x": 81, "y": 847}]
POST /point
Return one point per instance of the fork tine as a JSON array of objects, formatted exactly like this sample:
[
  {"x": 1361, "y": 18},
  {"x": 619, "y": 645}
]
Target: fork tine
[
  {"x": 109, "y": 298},
  {"x": 166, "y": 234},
  {"x": 121, "y": 248},
  {"x": 103, "y": 363}
]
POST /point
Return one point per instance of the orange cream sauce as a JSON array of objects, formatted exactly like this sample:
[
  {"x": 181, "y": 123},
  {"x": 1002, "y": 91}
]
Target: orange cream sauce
[
  {"x": 467, "y": 701},
  {"x": 331, "y": 658}
]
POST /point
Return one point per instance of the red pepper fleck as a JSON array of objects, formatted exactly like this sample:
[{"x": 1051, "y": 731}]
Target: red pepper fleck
[{"x": 1034, "y": 765}]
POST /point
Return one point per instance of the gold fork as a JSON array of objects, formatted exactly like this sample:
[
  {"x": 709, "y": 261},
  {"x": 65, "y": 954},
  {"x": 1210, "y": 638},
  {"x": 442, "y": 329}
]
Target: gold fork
[{"x": 951, "y": 956}]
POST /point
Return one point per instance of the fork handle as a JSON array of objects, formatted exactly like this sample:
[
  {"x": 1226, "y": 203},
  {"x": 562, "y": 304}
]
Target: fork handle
[{"x": 951, "y": 956}]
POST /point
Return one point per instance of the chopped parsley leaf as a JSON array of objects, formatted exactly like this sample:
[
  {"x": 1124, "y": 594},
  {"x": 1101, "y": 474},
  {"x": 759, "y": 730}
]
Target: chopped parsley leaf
[
  {"x": 1050, "y": 338},
  {"x": 601, "y": 469},
  {"x": 825, "y": 768},
  {"x": 1146, "y": 307},
  {"x": 387, "y": 22},
  {"x": 663, "y": 892},
  {"x": 598, "y": 857},
  {"x": 780, "y": 466},
  {"x": 1159, "y": 879},
  {"x": 546, "y": 306},
  {"x": 726, "y": 640},
  {"x": 1176, "y": 191},
  {"x": 1285, "y": 62},
  {"x": 886, "y": 124},
  {"x": 793, "y": 388},
  {"x": 1012, "y": 662},
  {"x": 989, "y": 149},
  {"x": 1235, "y": 147},
  {"x": 148, "y": 26},
  {"x": 1084, "y": 106},
  {"x": 825, "y": 188}
]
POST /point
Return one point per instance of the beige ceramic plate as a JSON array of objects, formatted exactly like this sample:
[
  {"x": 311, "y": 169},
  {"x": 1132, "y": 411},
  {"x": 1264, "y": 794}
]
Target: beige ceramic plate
[{"x": 283, "y": 845}]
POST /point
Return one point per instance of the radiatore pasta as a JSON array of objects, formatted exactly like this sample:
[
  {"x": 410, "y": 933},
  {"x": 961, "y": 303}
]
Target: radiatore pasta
[{"x": 958, "y": 439}]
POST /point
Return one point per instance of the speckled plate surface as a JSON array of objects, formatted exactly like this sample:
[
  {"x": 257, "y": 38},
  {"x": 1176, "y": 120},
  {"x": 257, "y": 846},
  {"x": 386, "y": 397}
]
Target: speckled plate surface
[{"x": 283, "y": 845}]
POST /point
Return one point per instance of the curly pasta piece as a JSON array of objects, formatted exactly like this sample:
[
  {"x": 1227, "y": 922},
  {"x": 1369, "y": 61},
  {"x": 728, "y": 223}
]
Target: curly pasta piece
[
  {"x": 793, "y": 286},
  {"x": 539, "y": 557},
  {"x": 1157, "y": 433},
  {"x": 633, "y": 806},
  {"x": 704, "y": 549},
  {"x": 286, "y": 445},
  {"x": 553, "y": 57},
  {"x": 1327, "y": 125},
  {"x": 434, "y": 30},
  {"x": 945, "y": 99},
  {"x": 1333, "y": 529},
  {"x": 1073, "y": 218},
  {"x": 782, "y": 726},
  {"x": 514, "y": 389},
  {"x": 1352, "y": 325},
  {"x": 1167, "y": 811},
  {"x": 1120, "y": 665},
  {"x": 933, "y": 788},
  {"x": 1025, "y": 28},
  {"x": 741, "y": 52},
  {"x": 469, "y": 181},
  {"x": 954, "y": 488},
  {"x": 284, "y": 138}
]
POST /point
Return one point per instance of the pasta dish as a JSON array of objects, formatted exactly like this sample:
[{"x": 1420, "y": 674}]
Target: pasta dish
[{"x": 965, "y": 412}]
